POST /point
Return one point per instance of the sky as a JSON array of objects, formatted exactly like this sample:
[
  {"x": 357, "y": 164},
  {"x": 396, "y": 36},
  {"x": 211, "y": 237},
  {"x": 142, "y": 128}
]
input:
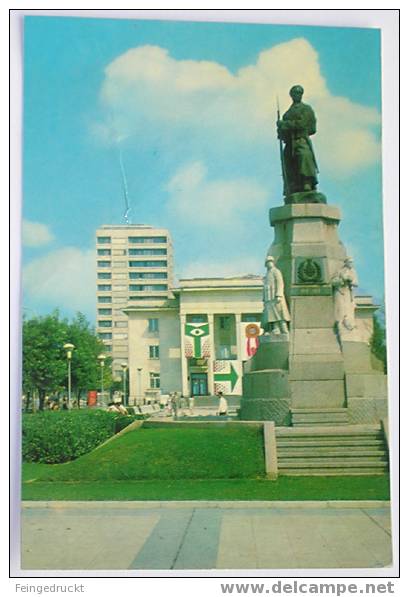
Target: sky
[{"x": 191, "y": 107}]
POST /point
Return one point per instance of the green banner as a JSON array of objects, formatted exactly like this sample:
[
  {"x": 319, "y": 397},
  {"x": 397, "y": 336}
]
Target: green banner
[{"x": 196, "y": 332}]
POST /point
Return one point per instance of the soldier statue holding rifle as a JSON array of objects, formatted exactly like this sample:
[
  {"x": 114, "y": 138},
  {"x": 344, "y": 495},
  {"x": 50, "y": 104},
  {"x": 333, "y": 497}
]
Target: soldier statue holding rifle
[{"x": 299, "y": 166}]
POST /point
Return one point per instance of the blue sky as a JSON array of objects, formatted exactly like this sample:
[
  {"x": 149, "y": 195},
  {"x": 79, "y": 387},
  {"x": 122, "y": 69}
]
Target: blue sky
[{"x": 192, "y": 107}]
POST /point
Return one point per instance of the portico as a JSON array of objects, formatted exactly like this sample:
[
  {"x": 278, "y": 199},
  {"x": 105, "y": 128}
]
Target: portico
[{"x": 202, "y": 336}]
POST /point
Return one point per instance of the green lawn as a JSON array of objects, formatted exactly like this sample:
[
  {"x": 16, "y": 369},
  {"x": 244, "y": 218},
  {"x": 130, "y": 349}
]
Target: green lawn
[
  {"x": 170, "y": 453},
  {"x": 285, "y": 488},
  {"x": 224, "y": 463}
]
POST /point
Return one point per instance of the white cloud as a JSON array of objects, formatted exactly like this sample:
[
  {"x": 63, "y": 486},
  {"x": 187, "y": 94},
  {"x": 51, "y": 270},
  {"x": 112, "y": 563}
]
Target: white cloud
[
  {"x": 64, "y": 278},
  {"x": 147, "y": 93},
  {"x": 213, "y": 203},
  {"x": 36, "y": 234}
]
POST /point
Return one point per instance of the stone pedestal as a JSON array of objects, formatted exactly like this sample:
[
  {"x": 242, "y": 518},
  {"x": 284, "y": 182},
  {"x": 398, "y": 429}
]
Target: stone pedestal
[
  {"x": 266, "y": 389},
  {"x": 313, "y": 367}
]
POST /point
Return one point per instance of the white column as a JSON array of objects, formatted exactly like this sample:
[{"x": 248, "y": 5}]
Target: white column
[
  {"x": 210, "y": 372},
  {"x": 238, "y": 337},
  {"x": 185, "y": 381}
]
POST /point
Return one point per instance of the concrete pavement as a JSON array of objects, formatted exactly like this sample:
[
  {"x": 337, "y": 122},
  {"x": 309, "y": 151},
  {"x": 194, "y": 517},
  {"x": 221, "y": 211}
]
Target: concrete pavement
[{"x": 205, "y": 535}]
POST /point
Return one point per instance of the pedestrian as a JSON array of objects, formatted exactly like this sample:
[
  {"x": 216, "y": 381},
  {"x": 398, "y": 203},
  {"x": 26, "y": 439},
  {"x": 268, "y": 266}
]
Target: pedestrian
[
  {"x": 222, "y": 410},
  {"x": 174, "y": 404},
  {"x": 121, "y": 408}
]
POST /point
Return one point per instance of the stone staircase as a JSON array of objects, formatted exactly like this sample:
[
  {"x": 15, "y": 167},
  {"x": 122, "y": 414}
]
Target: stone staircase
[
  {"x": 337, "y": 450},
  {"x": 301, "y": 417}
]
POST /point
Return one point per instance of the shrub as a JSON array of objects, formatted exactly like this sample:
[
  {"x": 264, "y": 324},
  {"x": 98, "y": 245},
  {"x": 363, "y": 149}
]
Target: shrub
[
  {"x": 60, "y": 436},
  {"x": 123, "y": 421}
]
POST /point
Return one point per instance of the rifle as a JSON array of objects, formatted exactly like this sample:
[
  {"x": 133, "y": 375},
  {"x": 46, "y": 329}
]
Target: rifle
[{"x": 283, "y": 172}]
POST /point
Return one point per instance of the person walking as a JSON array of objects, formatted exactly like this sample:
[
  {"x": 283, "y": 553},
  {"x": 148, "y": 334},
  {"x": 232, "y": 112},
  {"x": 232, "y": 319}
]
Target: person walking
[{"x": 222, "y": 410}]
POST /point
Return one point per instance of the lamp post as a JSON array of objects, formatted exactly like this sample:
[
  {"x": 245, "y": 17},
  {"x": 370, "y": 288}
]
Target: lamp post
[
  {"x": 139, "y": 396},
  {"x": 101, "y": 358},
  {"x": 68, "y": 347},
  {"x": 124, "y": 369}
]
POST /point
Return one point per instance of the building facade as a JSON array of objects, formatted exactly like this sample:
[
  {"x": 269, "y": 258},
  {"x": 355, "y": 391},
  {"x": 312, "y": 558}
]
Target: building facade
[
  {"x": 134, "y": 265},
  {"x": 197, "y": 341}
]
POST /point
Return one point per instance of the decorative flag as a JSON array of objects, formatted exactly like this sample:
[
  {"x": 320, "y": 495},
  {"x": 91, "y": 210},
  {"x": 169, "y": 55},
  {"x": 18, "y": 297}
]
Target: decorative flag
[
  {"x": 227, "y": 377},
  {"x": 197, "y": 340},
  {"x": 250, "y": 338}
]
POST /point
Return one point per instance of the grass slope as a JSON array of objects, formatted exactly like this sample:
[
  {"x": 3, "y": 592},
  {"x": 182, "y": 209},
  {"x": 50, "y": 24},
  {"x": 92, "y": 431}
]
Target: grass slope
[
  {"x": 186, "y": 464},
  {"x": 173, "y": 453}
]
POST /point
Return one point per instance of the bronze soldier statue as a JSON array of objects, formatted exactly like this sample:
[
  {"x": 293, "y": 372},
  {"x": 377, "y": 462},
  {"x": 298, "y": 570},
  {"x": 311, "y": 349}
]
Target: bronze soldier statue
[{"x": 294, "y": 129}]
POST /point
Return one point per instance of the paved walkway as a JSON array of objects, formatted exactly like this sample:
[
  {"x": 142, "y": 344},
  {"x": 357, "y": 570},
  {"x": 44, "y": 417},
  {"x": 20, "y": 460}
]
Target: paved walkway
[{"x": 204, "y": 535}]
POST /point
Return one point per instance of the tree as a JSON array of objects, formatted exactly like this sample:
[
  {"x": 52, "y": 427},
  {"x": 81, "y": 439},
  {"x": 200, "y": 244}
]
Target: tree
[
  {"x": 44, "y": 361},
  {"x": 378, "y": 341},
  {"x": 85, "y": 368}
]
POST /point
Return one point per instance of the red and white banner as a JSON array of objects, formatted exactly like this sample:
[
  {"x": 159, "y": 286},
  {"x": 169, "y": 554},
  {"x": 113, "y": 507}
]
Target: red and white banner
[{"x": 250, "y": 338}]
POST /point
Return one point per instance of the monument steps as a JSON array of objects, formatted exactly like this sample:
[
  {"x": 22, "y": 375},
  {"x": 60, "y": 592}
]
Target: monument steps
[
  {"x": 336, "y": 472},
  {"x": 322, "y": 416},
  {"x": 329, "y": 442},
  {"x": 347, "y": 450},
  {"x": 335, "y": 452}
]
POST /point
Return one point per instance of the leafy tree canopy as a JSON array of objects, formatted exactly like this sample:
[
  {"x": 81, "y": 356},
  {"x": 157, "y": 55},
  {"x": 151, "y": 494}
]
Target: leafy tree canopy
[{"x": 45, "y": 360}]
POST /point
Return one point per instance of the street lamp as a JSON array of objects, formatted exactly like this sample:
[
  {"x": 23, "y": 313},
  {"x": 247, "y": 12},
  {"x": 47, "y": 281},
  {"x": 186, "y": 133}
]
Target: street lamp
[
  {"x": 139, "y": 396},
  {"x": 124, "y": 369},
  {"x": 68, "y": 347},
  {"x": 101, "y": 358}
]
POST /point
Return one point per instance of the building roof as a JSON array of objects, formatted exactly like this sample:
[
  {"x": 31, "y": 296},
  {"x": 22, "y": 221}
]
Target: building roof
[
  {"x": 128, "y": 227},
  {"x": 245, "y": 281}
]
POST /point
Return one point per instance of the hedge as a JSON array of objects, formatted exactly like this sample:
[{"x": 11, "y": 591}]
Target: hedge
[{"x": 55, "y": 437}]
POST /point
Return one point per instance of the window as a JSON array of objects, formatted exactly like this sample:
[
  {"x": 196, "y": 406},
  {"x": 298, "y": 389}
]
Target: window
[
  {"x": 119, "y": 287},
  {"x": 154, "y": 380},
  {"x": 148, "y": 263},
  {"x": 104, "y": 287},
  {"x": 105, "y": 335},
  {"x": 104, "y": 275},
  {"x": 119, "y": 264},
  {"x": 147, "y": 251},
  {"x": 146, "y": 239},
  {"x": 119, "y": 252},
  {"x": 104, "y": 251},
  {"x": 103, "y": 239},
  {"x": 196, "y": 318},
  {"x": 251, "y": 317},
  {"x": 147, "y": 298},
  {"x": 119, "y": 300},
  {"x": 153, "y": 325},
  {"x": 104, "y": 311},
  {"x": 224, "y": 323},
  {"x": 149, "y": 287},
  {"x": 148, "y": 275},
  {"x": 105, "y": 323},
  {"x": 121, "y": 336},
  {"x": 104, "y": 299},
  {"x": 154, "y": 352},
  {"x": 108, "y": 348},
  {"x": 121, "y": 324},
  {"x": 104, "y": 264}
]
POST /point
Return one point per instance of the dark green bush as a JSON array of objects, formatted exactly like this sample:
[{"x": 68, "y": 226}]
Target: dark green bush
[
  {"x": 123, "y": 421},
  {"x": 60, "y": 436}
]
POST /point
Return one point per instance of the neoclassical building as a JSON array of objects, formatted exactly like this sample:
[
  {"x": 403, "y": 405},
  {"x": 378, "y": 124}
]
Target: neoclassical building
[{"x": 197, "y": 340}]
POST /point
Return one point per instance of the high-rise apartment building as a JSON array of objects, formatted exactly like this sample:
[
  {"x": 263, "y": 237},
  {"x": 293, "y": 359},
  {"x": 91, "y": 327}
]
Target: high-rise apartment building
[{"x": 134, "y": 265}]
